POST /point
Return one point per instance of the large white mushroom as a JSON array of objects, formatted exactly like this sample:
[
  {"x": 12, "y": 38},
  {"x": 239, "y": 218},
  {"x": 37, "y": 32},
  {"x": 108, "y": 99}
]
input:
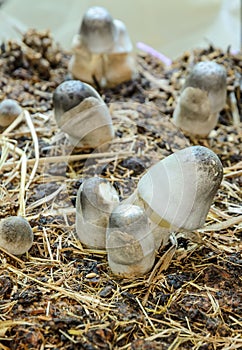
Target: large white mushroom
[
  {"x": 102, "y": 50},
  {"x": 178, "y": 191},
  {"x": 96, "y": 199},
  {"x": 202, "y": 98},
  {"x": 82, "y": 114},
  {"x": 130, "y": 243},
  {"x": 16, "y": 235}
]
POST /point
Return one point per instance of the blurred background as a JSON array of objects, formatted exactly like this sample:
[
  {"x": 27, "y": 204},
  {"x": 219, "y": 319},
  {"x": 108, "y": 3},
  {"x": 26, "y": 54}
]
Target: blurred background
[{"x": 169, "y": 26}]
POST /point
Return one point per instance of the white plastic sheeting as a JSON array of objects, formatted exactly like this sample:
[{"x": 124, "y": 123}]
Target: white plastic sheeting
[{"x": 170, "y": 27}]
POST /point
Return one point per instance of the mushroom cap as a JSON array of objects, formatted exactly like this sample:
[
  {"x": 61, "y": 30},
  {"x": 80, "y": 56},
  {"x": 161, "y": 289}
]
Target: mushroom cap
[
  {"x": 98, "y": 196},
  {"x": 82, "y": 114},
  {"x": 181, "y": 187},
  {"x": 207, "y": 75},
  {"x": 97, "y": 30},
  {"x": 16, "y": 235},
  {"x": 129, "y": 218},
  {"x": 9, "y": 110},
  {"x": 69, "y": 94}
]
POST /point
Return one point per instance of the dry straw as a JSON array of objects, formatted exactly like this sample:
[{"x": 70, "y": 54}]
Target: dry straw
[{"x": 62, "y": 294}]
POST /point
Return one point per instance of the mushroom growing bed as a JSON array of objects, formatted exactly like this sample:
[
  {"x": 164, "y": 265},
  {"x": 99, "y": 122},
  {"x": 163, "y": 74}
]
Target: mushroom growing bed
[{"x": 63, "y": 295}]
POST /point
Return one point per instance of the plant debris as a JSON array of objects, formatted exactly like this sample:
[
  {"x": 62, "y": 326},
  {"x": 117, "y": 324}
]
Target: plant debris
[{"x": 61, "y": 295}]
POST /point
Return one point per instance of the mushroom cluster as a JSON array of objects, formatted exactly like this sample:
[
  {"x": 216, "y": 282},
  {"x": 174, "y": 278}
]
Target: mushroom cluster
[
  {"x": 174, "y": 194},
  {"x": 82, "y": 114},
  {"x": 102, "y": 50},
  {"x": 202, "y": 98}
]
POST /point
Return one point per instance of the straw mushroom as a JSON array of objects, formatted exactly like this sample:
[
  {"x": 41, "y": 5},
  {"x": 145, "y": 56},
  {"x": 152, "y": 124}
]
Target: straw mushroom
[
  {"x": 202, "y": 98},
  {"x": 102, "y": 50},
  {"x": 16, "y": 235},
  {"x": 9, "y": 111},
  {"x": 130, "y": 243},
  {"x": 177, "y": 192},
  {"x": 96, "y": 199},
  {"x": 82, "y": 114}
]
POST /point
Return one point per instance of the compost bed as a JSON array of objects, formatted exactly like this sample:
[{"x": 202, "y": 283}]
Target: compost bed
[{"x": 62, "y": 295}]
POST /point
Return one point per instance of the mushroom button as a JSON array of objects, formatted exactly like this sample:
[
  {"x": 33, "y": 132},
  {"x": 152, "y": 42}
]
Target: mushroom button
[
  {"x": 16, "y": 235},
  {"x": 96, "y": 199},
  {"x": 82, "y": 114},
  {"x": 9, "y": 110},
  {"x": 202, "y": 98},
  {"x": 130, "y": 244}
]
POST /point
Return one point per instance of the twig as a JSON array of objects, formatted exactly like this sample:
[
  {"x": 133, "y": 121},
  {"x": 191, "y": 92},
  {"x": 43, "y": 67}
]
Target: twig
[
  {"x": 13, "y": 125},
  {"x": 45, "y": 199},
  {"x": 234, "y": 109},
  {"x": 36, "y": 147},
  {"x": 146, "y": 315},
  {"x": 23, "y": 161},
  {"x": 222, "y": 225},
  {"x": 72, "y": 158}
]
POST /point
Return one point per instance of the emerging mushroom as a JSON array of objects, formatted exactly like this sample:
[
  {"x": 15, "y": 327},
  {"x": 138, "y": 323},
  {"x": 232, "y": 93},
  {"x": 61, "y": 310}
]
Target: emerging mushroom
[
  {"x": 202, "y": 98},
  {"x": 82, "y": 114},
  {"x": 102, "y": 50},
  {"x": 177, "y": 192},
  {"x": 9, "y": 111},
  {"x": 16, "y": 235},
  {"x": 130, "y": 243},
  {"x": 96, "y": 199}
]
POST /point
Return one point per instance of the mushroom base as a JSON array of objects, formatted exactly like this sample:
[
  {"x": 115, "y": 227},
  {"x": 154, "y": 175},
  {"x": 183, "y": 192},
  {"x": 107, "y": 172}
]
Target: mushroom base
[{"x": 133, "y": 270}]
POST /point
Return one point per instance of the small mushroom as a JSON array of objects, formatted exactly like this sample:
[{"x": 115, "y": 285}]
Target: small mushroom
[
  {"x": 96, "y": 199},
  {"x": 98, "y": 31},
  {"x": 82, "y": 114},
  {"x": 202, "y": 98},
  {"x": 16, "y": 235},
  {"x": 102, "y": 50},
  {"x": 9, "y": 111},
  {"x": 130, "y": 243},
  {"x": 177, "y": 192}
]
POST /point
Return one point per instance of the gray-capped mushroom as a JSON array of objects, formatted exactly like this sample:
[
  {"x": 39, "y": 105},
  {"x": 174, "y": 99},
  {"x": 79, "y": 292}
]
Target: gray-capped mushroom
[
  {"x": 130, "y": 243},
  {"x": 202, "y": 98},
  {"x": 9, "y": 111},
  {"x": 102, "y": 50},
  {"x": 178, "y": 191},
  {"x": 96, "y": 199},
  {"x": 97, "y": 30},
  {"x": 82, "y": 114},
  {"x": 16, "y": 235}
]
